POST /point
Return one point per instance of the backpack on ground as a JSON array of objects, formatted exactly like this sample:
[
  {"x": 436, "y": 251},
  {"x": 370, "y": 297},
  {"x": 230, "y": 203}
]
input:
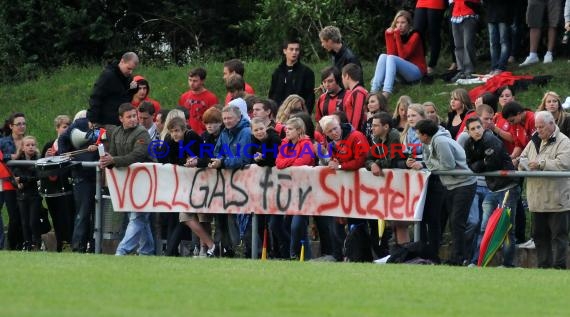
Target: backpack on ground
[{"x": 357, "y": 246}]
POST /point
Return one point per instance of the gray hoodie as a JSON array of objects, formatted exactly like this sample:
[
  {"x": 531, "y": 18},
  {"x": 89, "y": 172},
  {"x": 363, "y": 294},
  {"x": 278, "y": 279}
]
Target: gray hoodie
[{"x": 445, "y": 154}]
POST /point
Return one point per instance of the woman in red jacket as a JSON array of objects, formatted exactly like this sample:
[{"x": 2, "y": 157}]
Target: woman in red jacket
[
  {"x": 295, "y": 150},
  {"x": 404, "y": 55}
]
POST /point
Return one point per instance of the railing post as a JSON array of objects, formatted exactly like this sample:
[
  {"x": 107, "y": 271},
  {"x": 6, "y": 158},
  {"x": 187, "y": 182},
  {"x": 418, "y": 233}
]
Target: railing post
[
  {"x": 417, "y": 231},
  {"x": 254, "y": 235},
  {"x": 97, "y": 232}
]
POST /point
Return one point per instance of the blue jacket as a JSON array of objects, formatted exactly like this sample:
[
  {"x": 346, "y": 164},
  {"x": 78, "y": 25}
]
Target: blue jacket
[{"x": 231, "y": 146}]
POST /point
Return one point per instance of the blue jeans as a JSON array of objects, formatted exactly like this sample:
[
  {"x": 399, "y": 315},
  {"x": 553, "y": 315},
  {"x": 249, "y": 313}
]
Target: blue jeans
[
  {"x": 84, "y": 196},
  {"x": 138, "y": 232},
  {"x": 386, "y": 69},
  {"x": 474, "y": 221},
  {"x": 492, "y": 200},
  {"x": 500, "y": 44}
]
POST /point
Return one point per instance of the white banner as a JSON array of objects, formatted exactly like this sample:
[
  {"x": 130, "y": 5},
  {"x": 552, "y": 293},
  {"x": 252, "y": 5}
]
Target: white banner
[{"x": 314, "y": 191}]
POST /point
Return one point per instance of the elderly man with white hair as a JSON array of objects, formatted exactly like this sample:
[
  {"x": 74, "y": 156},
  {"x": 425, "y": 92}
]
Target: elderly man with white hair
[{"x": 548, "y": 198}]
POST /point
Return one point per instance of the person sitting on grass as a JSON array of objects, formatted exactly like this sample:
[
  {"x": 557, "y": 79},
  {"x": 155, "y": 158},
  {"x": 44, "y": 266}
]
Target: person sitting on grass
[{"x": 404, "y": 55}]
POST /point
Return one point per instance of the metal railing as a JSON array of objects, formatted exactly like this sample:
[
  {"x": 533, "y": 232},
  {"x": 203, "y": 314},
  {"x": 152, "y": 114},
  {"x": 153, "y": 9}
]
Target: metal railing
[{"x": 98, "y": 234}]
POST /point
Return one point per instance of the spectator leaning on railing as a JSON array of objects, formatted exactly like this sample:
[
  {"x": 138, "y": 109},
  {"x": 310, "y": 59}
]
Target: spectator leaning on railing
[
  {"x": 129, "y": 143},
  {"x": 548, "y": 198},
  {"x": 442, "y": 153}
]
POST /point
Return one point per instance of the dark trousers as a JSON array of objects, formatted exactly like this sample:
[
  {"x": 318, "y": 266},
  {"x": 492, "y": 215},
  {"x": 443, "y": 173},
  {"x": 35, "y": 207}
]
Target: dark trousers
[
  {"x": 520, "y": 222},
  {"x": 323, "y": 224},
  {"x": 428, "y": 23},
  {"x": 29, "y": 206},
  {"x": 281, "y": 230},
  {"x": 62, "y": 213},
  {"x": 380, "y": 246},
  {"x": 459, "y": 202},
  {"x": 520, "y": 218},
  {"x": 338, "y": 234},
  {"x": 175, "y": 233},
  {"x": 430, "y": 226},
  {"x": 551, "y": 230},
  {"x": 15, "y": 236},
  {"x": 84, "y": 197}
]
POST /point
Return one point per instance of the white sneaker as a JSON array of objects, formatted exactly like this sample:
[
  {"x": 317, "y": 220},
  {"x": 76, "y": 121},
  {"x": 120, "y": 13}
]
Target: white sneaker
[
  {"x": 527, "y": 245},
  {"x": 547, "y": 59},
  {"x": 529, "y": 61}
]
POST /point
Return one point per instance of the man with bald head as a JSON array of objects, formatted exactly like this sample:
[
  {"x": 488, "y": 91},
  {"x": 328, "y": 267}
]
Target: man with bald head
[{"x": 113, "y": 88}]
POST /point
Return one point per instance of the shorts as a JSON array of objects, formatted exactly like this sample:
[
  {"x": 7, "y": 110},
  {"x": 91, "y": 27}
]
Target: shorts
[
  {"x": 200, "y": 217},
  {"x": 536, "y": 10}
]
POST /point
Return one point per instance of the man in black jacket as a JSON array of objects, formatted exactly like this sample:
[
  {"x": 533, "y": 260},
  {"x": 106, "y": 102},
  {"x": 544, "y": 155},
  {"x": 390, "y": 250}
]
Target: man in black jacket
[
  {"x": 485, "y": 153},
  {"x": 342, "y": 55},
  {"x": 292, "y": 77},
  {"x": 113, "y": 88}
]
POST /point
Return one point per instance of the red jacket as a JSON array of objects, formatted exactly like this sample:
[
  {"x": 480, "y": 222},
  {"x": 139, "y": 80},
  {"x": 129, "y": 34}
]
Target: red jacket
[
  {"x": 355, "y": 106},
  {"x": 461, "y": 9},
  {"x": 299, "y": 154},
  {"x": 523, "y": 131},
  {"x": 504, "y": 125},
  {"x": 431, "y": 4},
  {"x": 408, "y": 47},
  {"x": 5, "y": 175},
  {"x": 351, "y": 152}
]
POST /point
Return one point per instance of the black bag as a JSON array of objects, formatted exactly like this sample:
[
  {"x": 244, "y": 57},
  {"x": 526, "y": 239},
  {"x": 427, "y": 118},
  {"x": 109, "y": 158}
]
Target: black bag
[
  {"x": 406, "y": 252},
  {"x": 357, "y": 246},
  {"x": 45, "y": 226}
]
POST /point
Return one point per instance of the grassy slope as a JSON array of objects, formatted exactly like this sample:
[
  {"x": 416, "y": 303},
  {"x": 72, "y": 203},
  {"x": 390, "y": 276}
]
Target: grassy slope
[
  {"x": 67, "y": 91},
  {"x": 48, "y": 284}
]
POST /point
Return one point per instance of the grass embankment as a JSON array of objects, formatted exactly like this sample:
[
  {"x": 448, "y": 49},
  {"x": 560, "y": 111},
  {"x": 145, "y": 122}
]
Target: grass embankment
[
  {"x": 67, "y": 90},
  {"x": 49, "y": 284}
]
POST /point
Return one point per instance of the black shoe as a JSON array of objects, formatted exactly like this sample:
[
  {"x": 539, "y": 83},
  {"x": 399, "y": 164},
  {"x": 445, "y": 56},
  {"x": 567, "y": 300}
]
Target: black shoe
[
  {"x": 229, "y": 253},
  {"x": 27, "y": 246}
]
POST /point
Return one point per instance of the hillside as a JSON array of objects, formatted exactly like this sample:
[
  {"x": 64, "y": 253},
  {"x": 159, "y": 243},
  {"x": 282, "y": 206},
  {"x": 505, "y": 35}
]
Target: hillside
[{"x": 67, "y": 90}]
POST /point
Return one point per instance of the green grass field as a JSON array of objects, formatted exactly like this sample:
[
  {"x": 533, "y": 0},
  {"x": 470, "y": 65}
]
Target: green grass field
[{"x": 49, "y": 284}]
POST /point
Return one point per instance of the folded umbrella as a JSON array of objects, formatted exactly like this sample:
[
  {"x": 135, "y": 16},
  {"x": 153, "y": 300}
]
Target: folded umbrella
[{"x": 496, "y": 232}]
